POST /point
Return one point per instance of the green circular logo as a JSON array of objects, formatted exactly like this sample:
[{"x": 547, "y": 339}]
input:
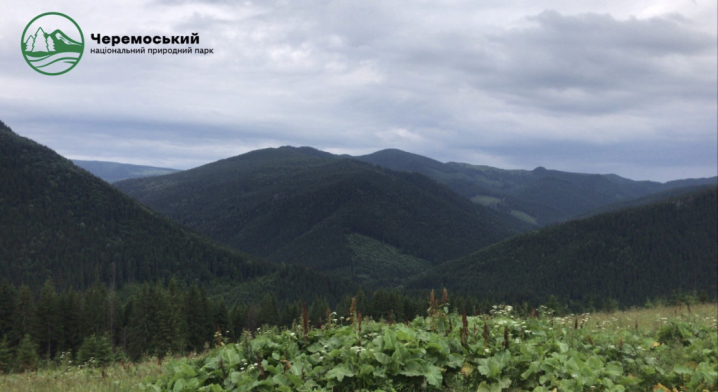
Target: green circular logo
[{"x": 52, "y": 43}]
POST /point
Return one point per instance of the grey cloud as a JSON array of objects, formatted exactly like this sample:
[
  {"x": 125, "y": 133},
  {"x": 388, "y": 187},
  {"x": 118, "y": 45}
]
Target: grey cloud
[{"x": 562, "y": 89}]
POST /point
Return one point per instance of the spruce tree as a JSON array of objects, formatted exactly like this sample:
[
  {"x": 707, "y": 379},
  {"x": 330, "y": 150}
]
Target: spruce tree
[
  {"x": 95, "y": 351},
  {"x": 24, "y": 315},
  {"x": 8, "y": 297},
  {"x": 95, "y": 309},
  {"x": 5, "y": 356},
  {"x": 27, "y": 358},
  {"x": 70, "y": 323},
  {"x": 47, "y": 320},
  {"x": 269, "y": 310},
  {"x": 196, "y": 315}
]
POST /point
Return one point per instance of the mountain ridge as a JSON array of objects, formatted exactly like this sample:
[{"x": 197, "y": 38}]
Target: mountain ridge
[
  {"x": 630, "y": 255},
  {"x": 542, "y": 196},
  {"x": 299, "y": 205},
  {"x": 60, "y": 222}
]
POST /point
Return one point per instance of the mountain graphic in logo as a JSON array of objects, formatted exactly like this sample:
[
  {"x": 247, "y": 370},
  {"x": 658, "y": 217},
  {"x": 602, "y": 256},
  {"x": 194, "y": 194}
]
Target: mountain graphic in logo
[{"x": 52, "y": 53}]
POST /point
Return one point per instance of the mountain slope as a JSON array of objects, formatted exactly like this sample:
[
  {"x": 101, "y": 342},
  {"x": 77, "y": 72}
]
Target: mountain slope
[
  {"x": 301, "y": 206},
  {"x": 671, "y": 193},
  {"x": 539, "y": 196},
  {"x": 628, "y": 256},
  {"x": 58, "y": 221},
  {"x": 113, "y": 171}
]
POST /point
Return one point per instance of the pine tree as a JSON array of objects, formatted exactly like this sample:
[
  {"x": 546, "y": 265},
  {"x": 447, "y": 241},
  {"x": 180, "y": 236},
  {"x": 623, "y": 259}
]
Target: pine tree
[
  {"x": 220, "y": 316},
  {"x": 5, "y": 356},
  {"x": 141, "y": 327},
  {"x": 95, "y": 351},
  {"x": 269, "y": 310},
  {"x": 27, "y": 358},
  {"x": 95, "y": 309},
  {"x": 24, "y": 315},
  {"x": 318, "y": 311},
  {"x": 50, "y": 44},
  {"x": 8, "y": 297},
  {"x": 47, "y": 320},
  {"x": 236, "y": 321},
  {"x": 177, "y": 316},
  {"x": 362, "y": 302},
  {"x": 39, "y": 44},
  {"x": 196, "y": 315},
  {"x": 29, "y": 44},
  {"x": 70, "y": 325}
]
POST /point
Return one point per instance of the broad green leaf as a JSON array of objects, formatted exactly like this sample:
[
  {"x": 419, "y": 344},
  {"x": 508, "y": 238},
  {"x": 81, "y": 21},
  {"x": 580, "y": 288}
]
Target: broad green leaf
[
  {"x": 339, "y": 372},
  {"x": 433, "y": 376},
  {"x": 179, "y": 385},
  {"x": 681, "y": 369},
  {"x": 614, "y": 369},
  {"x": 454, "y": 361},
  {"x": 413, "y": 368},
  {"x": 382, "y": 358}
]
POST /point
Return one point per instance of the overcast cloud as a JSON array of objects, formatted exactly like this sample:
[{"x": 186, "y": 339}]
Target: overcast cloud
[{"x": 598, "y": 87}]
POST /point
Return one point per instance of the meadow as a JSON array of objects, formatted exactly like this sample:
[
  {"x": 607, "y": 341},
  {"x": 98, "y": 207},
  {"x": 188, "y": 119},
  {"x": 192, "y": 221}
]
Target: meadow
[{"x": 663, "y": 348}]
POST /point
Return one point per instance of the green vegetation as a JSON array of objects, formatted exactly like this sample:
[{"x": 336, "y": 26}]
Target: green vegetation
[
  {"x": 59, "y": 222},
  {"x": 626, "y": 256},
  {"x": 64, "y": 375},
  {"x": 91, "y": 278},
  {"x": 113, "y": 172},
  {"x": 376, "y": 264},
  {"x": 675, "y": 347},
  {"x": 302, "y": 206},
  {"x": 446, "y": 351},
  {"x": 548, "y": 196}
]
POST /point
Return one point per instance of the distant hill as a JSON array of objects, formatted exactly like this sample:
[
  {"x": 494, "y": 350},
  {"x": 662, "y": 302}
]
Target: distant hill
[
  {"x": 629, "y": 256},
  {"x": 58, "y": 221},
  {"x": 113, "y": 171},
  {"x": 539, "y": 196},
  {"x": 671, "y": 193},
  {"x": 303, "y": 206}
]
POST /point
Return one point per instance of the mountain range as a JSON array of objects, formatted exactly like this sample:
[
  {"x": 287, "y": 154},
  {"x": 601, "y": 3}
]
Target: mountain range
[
  {"x": 303, "y": 206},
  {"x": 60, "y": 222},
  {"x": 300, "y": 222},
  {"x": 378, "y": 226},
  {"x": 540, "y": 196},
  {"x": 113, "y": 171},
  {"x": 629, "y": 256}
]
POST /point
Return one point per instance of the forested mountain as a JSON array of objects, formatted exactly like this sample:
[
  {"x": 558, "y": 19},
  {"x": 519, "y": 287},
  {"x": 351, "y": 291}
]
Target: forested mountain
[
  {"x": 627, "y": 256},
  {"x": 113, "y": 171},
  {"x": 58, "y": 221},
  {"x": 539, "y": 196},
  {"x": 650, "y": 199},
  {"x": 303, "y": 206}
]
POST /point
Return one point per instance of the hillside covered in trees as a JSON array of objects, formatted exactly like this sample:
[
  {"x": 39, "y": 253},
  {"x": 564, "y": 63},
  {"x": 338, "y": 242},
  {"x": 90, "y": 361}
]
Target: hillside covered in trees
[
  {"x": 58, "y": 221},
  {"x": 540, "y": 196},
  {"x": 303, "y": 206},
  {"x": 628, "y": 256}
]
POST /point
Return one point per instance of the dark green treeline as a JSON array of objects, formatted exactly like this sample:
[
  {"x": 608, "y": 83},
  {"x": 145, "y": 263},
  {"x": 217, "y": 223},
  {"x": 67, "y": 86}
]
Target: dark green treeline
[
  {"x": 99, "y": 325},
  {"x": 154, "y": 320}
]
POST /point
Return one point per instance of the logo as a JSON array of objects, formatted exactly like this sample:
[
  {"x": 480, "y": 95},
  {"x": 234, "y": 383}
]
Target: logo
[{"x": 52, "y": 43}]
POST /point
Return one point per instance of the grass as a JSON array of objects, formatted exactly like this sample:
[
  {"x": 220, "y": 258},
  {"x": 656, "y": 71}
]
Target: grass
[
  {"x": 114, "y": 378},
  {"x": 118, "y": 378},
  {"x": 651, "y": 319}
]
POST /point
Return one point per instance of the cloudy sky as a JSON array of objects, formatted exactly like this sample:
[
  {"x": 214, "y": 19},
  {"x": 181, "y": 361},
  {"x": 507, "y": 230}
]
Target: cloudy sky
[{"x": 626, "y": 87}]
